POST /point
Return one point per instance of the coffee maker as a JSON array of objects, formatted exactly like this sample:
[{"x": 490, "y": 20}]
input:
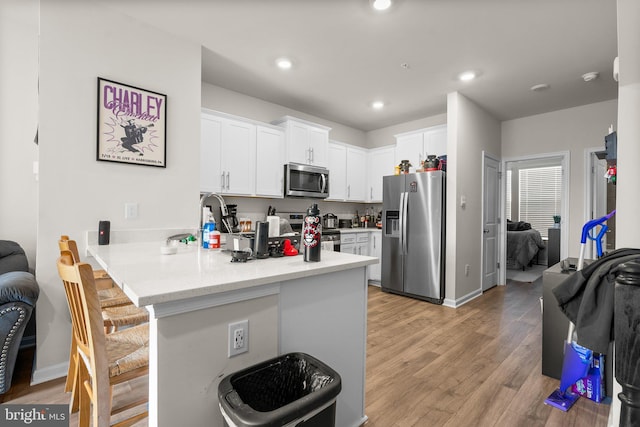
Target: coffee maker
[{"x": 232, "y": 219}]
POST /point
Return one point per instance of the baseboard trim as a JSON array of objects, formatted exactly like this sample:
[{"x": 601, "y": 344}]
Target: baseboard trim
[
  {"x": 49, "y": 373},
  {"x": 462, "y": 300}
]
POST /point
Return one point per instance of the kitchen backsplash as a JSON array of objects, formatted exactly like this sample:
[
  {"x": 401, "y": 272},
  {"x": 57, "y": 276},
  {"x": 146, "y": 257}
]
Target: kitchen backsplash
[{"x": 256, "y": 208}]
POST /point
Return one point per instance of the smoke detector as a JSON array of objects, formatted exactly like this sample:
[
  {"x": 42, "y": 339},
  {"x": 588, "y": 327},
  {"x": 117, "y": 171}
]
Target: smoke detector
[{"x": 590, "y": 76}]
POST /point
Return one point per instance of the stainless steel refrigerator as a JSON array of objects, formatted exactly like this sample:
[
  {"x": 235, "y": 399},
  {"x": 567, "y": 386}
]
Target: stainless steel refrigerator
[{"x": 413, "y": 235}]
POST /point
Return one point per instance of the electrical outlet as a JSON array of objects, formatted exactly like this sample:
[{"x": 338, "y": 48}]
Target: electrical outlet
[
  {"x": 238, "y": 337},
  {"x": 130, "y": 210}
]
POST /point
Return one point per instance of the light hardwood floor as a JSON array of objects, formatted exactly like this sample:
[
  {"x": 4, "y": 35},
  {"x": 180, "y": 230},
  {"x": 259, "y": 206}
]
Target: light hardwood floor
[{"x": 428, "y": 365}]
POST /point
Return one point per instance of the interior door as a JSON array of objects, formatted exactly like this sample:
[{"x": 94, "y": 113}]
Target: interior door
[{"x": 490, "y": 222}]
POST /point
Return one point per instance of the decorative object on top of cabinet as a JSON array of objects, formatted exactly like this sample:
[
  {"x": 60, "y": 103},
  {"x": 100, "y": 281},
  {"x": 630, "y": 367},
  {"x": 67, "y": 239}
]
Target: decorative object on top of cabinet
[
  {"x": 415, "y": 146},
  {"x": 305, "y": 142}
]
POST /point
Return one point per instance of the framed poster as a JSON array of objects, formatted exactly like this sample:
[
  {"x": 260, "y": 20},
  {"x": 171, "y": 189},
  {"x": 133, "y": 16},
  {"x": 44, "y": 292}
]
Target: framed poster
[{"x": 132, "y": 124}]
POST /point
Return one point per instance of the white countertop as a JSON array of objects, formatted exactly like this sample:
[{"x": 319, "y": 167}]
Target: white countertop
[
  {"x": 148, "y": 277},
  {"x": 358, "y": 230}
]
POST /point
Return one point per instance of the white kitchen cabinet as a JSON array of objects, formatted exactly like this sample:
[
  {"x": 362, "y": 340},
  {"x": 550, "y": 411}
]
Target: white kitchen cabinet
[
  {"x": 228, "y": 155},
  {"x": 356, "y": 174},
  {"x": 415, "y": 146},
  {"x": 337, "y": 171},
  {"x": 355, "y": 243},
  {"x": 210, "y": 142},
  {"x": 347, "y": 172},
  {"x": 375, "y": 250},
  {"x": 380, "y": 163},
  {"x": 238, "y": 157},
  {"x": 269, "y": 162},
  {"x": 305, "y": 142}
]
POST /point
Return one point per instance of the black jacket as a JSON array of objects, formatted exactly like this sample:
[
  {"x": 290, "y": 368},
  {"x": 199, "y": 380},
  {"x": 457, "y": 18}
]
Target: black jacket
[{"x": 586, "y": 298}]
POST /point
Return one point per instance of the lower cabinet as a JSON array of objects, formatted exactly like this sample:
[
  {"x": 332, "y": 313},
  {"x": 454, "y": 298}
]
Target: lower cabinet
[{"x": 375, "y": 249}]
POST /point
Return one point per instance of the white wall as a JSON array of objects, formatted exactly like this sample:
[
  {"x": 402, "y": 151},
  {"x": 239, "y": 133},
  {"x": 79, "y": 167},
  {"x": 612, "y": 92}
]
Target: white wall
[
  {"x": 385, "y": 136},
  {"x": 627, "y": 201},
  {"x": 80, "y": 41},
  {"x": 573, "y": 130},
  {"x": 227, "y": 101},
  {"x": 18, "y": 123},
  {"x": 470, "y": 131}
]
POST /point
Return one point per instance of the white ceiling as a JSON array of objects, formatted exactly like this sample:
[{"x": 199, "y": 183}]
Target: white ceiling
[{"x": 347, "y": 55}]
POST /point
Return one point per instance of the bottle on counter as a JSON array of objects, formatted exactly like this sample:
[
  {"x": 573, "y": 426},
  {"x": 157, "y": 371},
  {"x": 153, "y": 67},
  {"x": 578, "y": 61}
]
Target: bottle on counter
[
  {"x": 210, "y": 236},
  {"x": 311, "y": 234}
]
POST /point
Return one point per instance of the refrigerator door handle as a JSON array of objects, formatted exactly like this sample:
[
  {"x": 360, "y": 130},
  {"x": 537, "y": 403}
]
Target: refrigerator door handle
[
  {"x": 401, "y": 222},
  {"x": 404, "y": 222}
]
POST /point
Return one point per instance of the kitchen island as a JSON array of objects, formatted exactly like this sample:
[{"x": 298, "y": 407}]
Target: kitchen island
[{"x": 291, "y": 305}]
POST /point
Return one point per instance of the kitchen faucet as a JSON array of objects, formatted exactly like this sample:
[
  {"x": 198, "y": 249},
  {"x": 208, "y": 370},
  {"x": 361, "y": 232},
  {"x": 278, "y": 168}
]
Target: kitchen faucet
[{"x": 223, "y": 210}]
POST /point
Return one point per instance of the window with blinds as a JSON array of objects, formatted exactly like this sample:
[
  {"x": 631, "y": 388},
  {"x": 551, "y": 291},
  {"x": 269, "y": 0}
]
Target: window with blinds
[
  {"x": 508, "y": 195},
  {"x": 539, "y": 196}
]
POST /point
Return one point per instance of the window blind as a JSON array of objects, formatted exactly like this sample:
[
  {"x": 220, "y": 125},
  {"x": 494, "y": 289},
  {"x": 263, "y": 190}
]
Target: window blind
[
  {"x": 540, "y": 196},
  {"x": 508, "y": 195}
]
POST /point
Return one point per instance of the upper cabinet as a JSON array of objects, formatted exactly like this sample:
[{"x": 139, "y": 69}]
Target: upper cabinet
[
  {"x": 347, "y": 172},
  {"x": 229, "y": 148},
  {"x": 305, "y": 142},
  {"x": 415, "y": 146},
  {"x": 269, "y": 162},
  {"x": 380, "y": 163}
]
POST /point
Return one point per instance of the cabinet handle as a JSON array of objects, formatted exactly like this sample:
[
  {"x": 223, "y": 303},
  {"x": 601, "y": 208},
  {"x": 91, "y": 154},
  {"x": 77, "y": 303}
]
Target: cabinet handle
[
  {"x": 312, "y": 154},
  {"x": 349, "y": 190},
  {"x": 222, "y": 181},
  {"x": 227, "y": 180},
  {"x": 371, "y": 193}
]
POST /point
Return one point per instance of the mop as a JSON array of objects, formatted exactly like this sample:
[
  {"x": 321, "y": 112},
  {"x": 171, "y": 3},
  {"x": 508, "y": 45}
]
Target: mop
[{"x": 577, "y": 359}]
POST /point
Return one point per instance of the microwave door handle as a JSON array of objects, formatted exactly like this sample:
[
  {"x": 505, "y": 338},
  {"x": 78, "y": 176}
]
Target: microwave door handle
[{"x": 323, "y": 179}]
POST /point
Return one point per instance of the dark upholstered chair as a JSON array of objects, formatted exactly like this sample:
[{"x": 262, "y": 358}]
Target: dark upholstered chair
[{"x": 18, "y": 295}]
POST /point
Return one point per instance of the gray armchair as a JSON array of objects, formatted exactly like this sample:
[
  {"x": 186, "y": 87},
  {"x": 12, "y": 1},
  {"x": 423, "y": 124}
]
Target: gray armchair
[{"x": 18, "y": 295}]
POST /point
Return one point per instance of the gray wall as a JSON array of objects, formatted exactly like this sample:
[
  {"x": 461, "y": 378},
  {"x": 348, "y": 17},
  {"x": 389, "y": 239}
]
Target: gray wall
[
  {"x": 80, "y": 41},
  {"x": 470, "y": 131},
  {"x": 574, "y": 130}
]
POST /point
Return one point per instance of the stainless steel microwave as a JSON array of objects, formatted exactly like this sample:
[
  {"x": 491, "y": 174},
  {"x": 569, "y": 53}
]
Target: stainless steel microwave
[{"x": 306, "y": 181}]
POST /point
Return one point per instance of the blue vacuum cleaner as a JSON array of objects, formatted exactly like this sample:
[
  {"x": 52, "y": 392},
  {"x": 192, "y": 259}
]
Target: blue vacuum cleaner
[{"x": 577, "y": 359}]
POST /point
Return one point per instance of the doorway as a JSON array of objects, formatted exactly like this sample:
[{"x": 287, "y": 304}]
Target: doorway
[
  {"x": 600, "y": 199},
  {"x": 535, "y": 190},
  {"x": 490, "y": 220}
]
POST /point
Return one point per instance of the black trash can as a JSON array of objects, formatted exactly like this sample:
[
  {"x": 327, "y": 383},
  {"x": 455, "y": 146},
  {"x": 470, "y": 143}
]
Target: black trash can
[{"x": 294, "y": 389}]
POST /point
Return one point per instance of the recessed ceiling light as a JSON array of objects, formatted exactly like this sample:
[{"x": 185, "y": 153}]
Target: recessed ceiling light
[
  {"x": 467, "y": 76},
  {"x": 377, "y": 105},
  {"x": 284, "y": 63},
  {"x": 381, "y": 4},
  {"x": 540, "y": 87}
]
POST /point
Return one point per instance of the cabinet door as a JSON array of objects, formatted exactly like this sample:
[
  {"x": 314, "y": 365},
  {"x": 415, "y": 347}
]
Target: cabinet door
[
  {"x": 362, "y": 249},
  {"x": 375, "y": 250},
  {"x": 349, "y": 248},
  {"x": 298, "y": 143},
  {"x": 337, "y": 171},
  {"x": 356, "y": 174},
  {"x": 380, "y": 163},
  {"x": 269, "y": 162},
  {"x": 410, "y": 147},
  {"x": 435, "y": 141},
  {"x": 238, "y": 156},
  {"x": 319, "y": 147},
  {"x": 210, "y": 142}
]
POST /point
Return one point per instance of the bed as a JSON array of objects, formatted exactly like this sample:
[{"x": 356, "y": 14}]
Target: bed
[{"x": 522, "y": 247}]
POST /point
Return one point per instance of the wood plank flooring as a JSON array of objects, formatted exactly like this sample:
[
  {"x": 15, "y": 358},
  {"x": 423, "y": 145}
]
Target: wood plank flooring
[
  {"x": 477, "y": 365},
  {"x": 428, "y": 365}
]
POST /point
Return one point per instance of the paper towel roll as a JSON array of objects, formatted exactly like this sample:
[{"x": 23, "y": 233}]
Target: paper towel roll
[{"x": 274, "y": 225}]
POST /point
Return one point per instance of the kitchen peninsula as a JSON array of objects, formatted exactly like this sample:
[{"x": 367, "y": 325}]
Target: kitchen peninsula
[{"x": 291, "y": 305}]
